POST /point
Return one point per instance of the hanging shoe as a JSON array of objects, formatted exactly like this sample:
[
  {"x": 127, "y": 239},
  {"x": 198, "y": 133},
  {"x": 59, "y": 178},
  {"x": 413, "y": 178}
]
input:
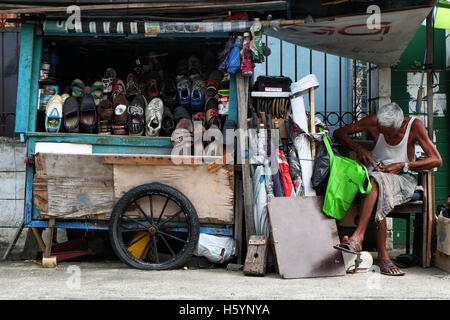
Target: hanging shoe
[
  {"x": 88, "y": 114},
  {"x": 153, "y": 117},
  {"x": 53, "y": 113},
  {"x": 184, "y": 91},
  {"x": 136, "y": 121},
  {"x": 71, "y": 114},
  {"x": 119, "y": 126},
  {"x": 169, "y": 93},
  {"x": 105, "y": 113},
  {"x": 77, "y": 88}
]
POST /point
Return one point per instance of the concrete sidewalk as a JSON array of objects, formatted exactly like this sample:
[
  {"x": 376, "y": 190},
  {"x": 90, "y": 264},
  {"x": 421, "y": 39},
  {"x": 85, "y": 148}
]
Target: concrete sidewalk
[{"x": 114, "y": 280}]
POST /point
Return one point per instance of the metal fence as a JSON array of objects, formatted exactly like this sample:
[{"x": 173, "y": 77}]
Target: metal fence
[{"x": 10, "y": 38}]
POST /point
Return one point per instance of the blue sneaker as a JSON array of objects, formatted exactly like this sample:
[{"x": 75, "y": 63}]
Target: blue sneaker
[
  {"x": 197, "y": 96},
  {"x": 184, "y": 91}
]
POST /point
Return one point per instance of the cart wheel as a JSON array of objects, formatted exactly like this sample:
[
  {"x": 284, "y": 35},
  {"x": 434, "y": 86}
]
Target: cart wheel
[{"x": 154, "y": 227}]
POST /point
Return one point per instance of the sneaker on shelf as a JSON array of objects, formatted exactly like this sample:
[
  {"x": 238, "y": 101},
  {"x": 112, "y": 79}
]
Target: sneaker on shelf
[
  {"x": 108, "y": 80},
  {"x": 120, "y": 104},
  {"x": 169, "y": 93},
  {"x": 53, "y": 113},
  {"x": 212, "y": 117},
  {"x": 153, "y": 117},
  {"x": 136, "y": 122},
  {"x": 118, "y": 88},
  {"x": 168, "y": 123},
  {"x": 197, "y": 96},
  {"x": 184, "y": 91},
  {"x": 105, "y": 113},
  {"x": 132, "y": 85}
]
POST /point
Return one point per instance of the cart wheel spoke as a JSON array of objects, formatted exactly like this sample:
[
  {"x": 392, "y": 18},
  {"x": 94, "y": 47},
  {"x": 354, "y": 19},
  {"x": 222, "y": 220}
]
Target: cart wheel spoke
[
  {"x": 155, "y": 248},
  {"x": 164, "y": 208},
  {"x": 145, "y": 249},
  {"x": 170, "y": 218},
  {"x": 137, "y": 240},
  {"x": 141, "y": 211},
  {"x": 173, "y": 237},
  {"x": 167, "y": 244},
  {"x": 134, "y": 220}
]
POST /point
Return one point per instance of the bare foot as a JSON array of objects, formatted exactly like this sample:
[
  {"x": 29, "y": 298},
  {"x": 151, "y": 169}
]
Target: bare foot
[{"x": 387, "y": 267}]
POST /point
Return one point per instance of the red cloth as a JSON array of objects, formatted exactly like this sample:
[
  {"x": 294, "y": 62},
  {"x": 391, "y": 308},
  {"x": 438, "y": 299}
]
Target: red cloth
[{"x": 286, "y": 180}]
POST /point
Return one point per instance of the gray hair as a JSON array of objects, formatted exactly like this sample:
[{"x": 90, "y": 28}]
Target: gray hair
[{"x": 390, "y": 116}]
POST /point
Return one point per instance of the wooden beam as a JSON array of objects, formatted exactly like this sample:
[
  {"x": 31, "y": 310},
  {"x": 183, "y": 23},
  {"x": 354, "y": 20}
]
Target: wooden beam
[
  {"x": 429, "y": 64},
  {"x": 242, "y": 98},
  {"x": 161, "y": 6}
]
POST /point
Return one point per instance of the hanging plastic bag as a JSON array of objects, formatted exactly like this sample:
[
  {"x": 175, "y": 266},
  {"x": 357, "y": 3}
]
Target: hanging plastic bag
[
  {"x": 321, "y": 170},
  {"x": 217, "y": 249},
  {"x": 234, "y": 60},
  {"x": 295, "y": 171},
  {"x": 347, "y": 177},
  {"x": 260, "y": 203}
]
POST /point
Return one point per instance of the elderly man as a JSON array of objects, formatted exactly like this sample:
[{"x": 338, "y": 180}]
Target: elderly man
[{"x": 390, "y": 164}]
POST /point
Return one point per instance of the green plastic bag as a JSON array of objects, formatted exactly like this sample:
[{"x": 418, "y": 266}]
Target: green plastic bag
[{"x": 347, "y": 177}]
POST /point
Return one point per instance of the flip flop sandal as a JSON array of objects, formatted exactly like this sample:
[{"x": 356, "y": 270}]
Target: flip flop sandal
[
  {"x": 77, "y": 87},
  {"x": 351, "y": 247},
  {"x": 386, "y": 266},
  {"x": 53, "y": 114},
  {"x": 96, "y": 91},
  {"x": 88, "y": 114},
  {"x": 71, "y": 114},
  {"x": 136, "y": 116}
]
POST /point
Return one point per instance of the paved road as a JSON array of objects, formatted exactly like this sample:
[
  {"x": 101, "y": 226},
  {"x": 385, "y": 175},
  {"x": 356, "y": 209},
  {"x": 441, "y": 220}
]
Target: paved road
[{"x": 113, "y": 280}]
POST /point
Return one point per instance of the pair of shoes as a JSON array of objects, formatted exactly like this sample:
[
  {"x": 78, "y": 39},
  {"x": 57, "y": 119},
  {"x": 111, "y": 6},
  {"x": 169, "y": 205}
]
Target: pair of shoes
[
  {"x": 191, "y": 92},
  {"x": 79, "y": 114},
  {"x": 53, "y": 113},
  {"x": 77, "y": 87},
  {"x": 135, "y": 122}
]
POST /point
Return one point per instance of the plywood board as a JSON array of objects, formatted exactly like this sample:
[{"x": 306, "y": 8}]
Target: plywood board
[
  {"x": 210, "y": 193},
  {"x": 304, "y": 238}
]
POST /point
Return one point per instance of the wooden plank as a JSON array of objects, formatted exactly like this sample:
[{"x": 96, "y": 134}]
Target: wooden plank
[
  {"x": 34, "y": 85},
  {"x": 242, "y": 96},
  {"x": 210, "y": 193},
  {"x": 238, "y": 218},
  {"x": 24, "y": 78},
  {"x": 49, "y": 238},
  {"x": 255, "y": 262},
  {"x": 165, "y": 160},
  {"x": 304, "y": 237}
]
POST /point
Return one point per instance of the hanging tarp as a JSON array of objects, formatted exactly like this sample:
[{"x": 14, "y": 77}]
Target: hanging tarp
[
  {"x": 147, "y": 28},
  {"x": 442, "y": 20},
  {"x": 349, "y": 36}
]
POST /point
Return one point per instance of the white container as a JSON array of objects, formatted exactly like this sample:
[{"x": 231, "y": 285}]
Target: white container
[{"x": 443, "y": 235}]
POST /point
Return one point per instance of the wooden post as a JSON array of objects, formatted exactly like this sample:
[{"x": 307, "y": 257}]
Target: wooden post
[
  {"x": 312, "y": 112},
  {"x": 255, "y": 262},
  {"x": 242, "y": 96},
  {"x": 48, "y": 260},
  {"x": 431, "y": 192},
  {"x": 238, "y": 217}
]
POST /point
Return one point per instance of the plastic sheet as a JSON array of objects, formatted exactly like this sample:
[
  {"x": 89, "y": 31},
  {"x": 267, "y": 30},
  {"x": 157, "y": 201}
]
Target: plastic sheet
[
  {"x": 260, "y": 203},
  {"x": 217, "y": 249}
]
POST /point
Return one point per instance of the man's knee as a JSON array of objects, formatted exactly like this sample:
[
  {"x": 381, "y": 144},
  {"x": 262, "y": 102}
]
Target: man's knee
[{"x": 374, "y": 186}]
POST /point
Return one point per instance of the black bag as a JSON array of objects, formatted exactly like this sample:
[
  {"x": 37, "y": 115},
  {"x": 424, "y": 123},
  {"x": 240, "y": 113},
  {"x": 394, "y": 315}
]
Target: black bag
[
  {"x": 321, "y": 170},
  {"x": 273, "y": 83}
]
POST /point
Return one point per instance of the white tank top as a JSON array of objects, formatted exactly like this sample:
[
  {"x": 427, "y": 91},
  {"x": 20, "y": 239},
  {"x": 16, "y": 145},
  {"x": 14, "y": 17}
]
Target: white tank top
[{"x": 387, "y": 154}]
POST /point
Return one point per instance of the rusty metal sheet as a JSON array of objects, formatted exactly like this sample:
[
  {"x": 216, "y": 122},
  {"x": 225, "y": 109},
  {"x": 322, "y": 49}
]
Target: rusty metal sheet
[{"x": 303, "y": 238}]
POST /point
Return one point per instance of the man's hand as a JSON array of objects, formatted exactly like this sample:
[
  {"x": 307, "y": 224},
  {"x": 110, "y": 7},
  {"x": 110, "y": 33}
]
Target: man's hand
[
  {"x": 394, "y": 168},
  {"x": 365, "y": 157}
]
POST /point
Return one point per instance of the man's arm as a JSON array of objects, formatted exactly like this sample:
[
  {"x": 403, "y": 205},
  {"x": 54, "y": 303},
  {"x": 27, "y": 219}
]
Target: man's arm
[
  {"x": 433, "y": 159},
  {"x": 342, "y": 136}
]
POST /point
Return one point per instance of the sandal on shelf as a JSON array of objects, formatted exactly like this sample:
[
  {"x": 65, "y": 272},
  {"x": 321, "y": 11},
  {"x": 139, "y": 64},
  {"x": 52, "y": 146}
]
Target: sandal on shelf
[
  {"x": 136, "y": 121},
  {"x": 105, "y": 113},
  {"x": 71, "y": 114},
  {"x": 77, "y": 88},
  {"x": 120, "y": 115},
  {"x": 387, "y": 266},
  {"x": 88, "y": 114},
  {"x": 97, "y": 91}
]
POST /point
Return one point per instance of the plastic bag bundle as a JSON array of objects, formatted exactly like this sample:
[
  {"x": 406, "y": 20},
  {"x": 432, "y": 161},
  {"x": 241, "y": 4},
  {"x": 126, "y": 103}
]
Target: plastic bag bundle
[
  {"x": 295, "y": 171},
  {"x": 217, "y": 249},
  {"x": 267, "y": 180},
  {"x": 260, "y": 202}
]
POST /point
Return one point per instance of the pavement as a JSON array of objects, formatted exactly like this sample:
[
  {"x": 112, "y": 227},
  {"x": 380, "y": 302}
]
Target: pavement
[{"x": 98, "y": 280}]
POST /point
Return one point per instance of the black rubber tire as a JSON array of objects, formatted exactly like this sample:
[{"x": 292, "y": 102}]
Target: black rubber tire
[{"x": 181, "y": 200}]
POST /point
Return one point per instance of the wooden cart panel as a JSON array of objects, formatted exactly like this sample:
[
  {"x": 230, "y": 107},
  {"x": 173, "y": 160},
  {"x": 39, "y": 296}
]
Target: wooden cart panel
[{"x": 87, "y": 186}]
